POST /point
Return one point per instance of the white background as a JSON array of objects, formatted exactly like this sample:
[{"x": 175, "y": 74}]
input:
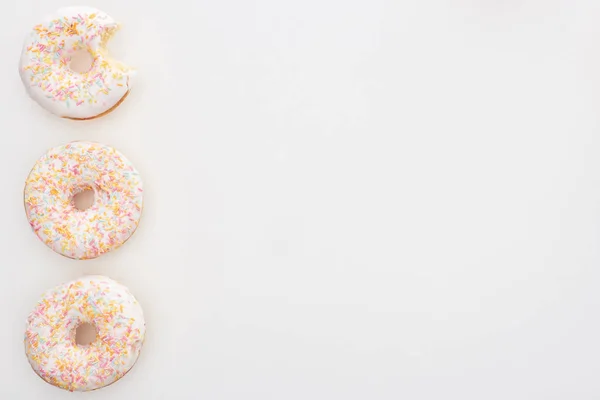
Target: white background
[{"x": 344, "y": 199}]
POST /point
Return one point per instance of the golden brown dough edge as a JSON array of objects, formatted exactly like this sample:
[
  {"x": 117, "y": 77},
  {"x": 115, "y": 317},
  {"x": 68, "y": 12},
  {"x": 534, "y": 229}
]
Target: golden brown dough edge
[{"x": 104, "y": 113}]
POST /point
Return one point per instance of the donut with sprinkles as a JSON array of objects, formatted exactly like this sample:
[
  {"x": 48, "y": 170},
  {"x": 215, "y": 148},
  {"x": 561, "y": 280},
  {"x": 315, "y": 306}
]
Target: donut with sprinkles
[
  {"x": 51, "y": 330},
  {"x": 60, "y": 176},
  {"x": 47, "y": 55}
]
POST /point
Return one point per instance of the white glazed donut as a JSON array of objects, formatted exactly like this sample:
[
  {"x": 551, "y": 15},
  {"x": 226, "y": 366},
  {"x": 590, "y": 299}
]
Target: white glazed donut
[
  {"x": 46, "y": 56},
  {"x": 67, "y": 170},
  {"x": 50, "y": 334}
]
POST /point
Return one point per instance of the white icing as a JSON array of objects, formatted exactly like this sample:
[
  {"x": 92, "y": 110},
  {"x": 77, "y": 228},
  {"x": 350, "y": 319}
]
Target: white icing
[
  {"x": 66, "y": 170},
  {"x": 46, "y": 54},
  {"x": 50, "y": 334}
]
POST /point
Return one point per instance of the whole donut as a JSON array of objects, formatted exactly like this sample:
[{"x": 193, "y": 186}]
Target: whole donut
[
  {"x": 65, "y": 171},
  {"x": 46, "y": 56},
  {"x": 50, "y": 342}
]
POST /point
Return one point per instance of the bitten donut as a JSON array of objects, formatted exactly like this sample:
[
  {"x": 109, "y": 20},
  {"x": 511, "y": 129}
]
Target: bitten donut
[
  {"x": 50, "y": 343},
  {"x": 63, "y": 173},
  {"x": 46, "y": 58}
]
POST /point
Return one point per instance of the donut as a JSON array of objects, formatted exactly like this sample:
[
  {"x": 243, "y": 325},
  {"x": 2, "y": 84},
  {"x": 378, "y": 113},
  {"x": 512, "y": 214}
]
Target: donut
[
  {"x": 66, "y": 171},
  {"x": 47, "y": 54},
  {"x": 50, "y": 334}
]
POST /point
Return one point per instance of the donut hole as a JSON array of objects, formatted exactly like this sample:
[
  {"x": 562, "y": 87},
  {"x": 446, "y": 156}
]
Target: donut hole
[
  {"x": 84, "y": 199},
  {"x": 80, "y": 61},
  {"x": 85, "y": 334}
]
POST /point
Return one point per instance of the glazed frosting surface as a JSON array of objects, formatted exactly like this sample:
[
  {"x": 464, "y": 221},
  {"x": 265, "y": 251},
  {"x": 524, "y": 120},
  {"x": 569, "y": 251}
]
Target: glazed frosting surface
[
  {"x": 50, "y": 334},
  {"x": 67, "y": 170},
  {"x": 46, "y": 56}
]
